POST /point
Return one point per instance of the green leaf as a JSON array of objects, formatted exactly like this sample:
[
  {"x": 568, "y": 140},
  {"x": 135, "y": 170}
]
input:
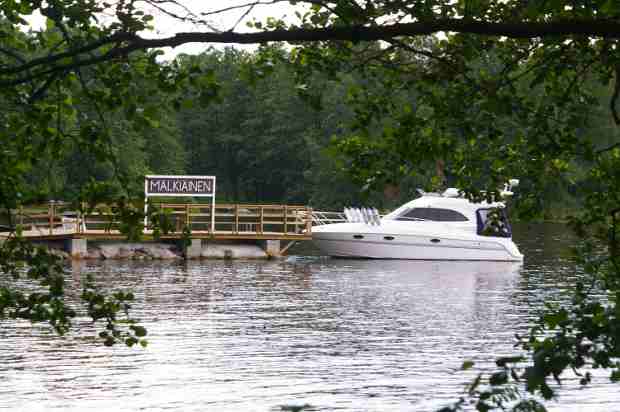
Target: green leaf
[
  {"x": 498, "y": 378},
  {"x": 483, "y": 407},
  {"x": 139, "y": 331},
  {"x": 467, "y": 365},
  {"x": 610, "y": 7},
  {"x": 503, "y": 361}
]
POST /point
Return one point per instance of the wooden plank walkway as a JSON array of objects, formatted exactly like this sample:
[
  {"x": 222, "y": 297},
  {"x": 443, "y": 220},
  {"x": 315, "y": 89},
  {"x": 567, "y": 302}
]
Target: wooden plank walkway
[{"x": 231, "y": 222}]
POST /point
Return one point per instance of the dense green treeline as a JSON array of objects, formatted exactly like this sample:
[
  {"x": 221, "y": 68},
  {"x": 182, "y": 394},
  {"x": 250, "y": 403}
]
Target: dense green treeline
[
  {"x": 263, "y": 140},
  {"x": 271, "y": 137}
]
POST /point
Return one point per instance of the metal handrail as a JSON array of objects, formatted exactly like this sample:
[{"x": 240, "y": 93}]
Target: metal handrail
[{"x": 320, "y": 217}]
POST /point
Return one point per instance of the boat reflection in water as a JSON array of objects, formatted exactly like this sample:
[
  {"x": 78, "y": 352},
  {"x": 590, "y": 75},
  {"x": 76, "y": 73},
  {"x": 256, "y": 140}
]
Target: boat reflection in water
[
  {"x": 423, "y": 278},
  {"x": 431, "y": 267},
  {"x": 406, "y": 271}
]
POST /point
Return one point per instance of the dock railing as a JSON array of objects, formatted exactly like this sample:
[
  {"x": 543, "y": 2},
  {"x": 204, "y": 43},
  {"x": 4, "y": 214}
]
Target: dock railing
[
  {"x": 239, "y": 218},
  {"x": 55, "y": 219},
  {"x": 47, "y": 219}
]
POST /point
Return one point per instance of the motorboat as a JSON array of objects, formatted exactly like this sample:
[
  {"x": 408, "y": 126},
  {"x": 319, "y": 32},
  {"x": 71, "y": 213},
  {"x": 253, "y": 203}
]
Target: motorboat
[{"x": 434, "y": 226}]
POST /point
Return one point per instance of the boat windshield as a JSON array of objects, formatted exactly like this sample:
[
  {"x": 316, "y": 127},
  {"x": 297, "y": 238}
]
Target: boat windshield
[
  {"x": 493, "y": 222},
  {"x": 432, "y": 214}
]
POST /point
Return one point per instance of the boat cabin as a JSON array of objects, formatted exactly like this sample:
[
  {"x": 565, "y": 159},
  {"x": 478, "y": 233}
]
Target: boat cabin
[{"x": 487, "y": 219}]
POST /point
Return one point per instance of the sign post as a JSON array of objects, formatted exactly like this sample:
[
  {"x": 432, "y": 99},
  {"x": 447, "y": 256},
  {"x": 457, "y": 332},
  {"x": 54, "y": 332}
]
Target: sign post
[{"x": 180, "y": 186}]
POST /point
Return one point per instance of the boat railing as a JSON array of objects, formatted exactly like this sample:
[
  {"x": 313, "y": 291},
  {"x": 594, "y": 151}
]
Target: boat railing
[
  {"x": 370, "y": 216},
  {"x": 325, "y": 218}
]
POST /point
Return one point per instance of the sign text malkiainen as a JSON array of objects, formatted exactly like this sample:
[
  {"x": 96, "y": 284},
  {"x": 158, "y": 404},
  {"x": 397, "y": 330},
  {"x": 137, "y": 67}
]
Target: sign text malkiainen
[{"x": 180, "y": 185}]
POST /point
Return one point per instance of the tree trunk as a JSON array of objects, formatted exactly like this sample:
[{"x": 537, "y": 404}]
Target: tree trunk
[{"x": 440, "y": 166}]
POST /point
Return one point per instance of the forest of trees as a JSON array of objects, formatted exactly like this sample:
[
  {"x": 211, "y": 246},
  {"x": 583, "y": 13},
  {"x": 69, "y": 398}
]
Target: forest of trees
[
  {"x": 263, "y": 140},
  {"x": 267, "y": 139}
]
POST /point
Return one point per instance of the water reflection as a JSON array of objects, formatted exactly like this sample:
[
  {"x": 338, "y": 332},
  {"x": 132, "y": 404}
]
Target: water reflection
[{"x": 252, "y": 336}]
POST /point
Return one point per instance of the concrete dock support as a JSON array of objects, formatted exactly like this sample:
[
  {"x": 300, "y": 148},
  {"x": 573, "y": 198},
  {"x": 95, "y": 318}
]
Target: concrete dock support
[
  {"x": 194, "y": 249},
  {"x": 76, "y": 248},
  {"x": 271, "y": 247}
]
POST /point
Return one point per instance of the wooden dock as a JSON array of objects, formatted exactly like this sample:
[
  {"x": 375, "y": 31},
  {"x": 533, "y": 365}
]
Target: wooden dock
[
  {"x": 227, "y": 222},
  {"x": 232, "y": 221}
]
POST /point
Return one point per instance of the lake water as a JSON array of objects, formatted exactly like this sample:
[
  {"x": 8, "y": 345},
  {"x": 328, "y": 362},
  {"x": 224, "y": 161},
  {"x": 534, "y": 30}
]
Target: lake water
[{"x": 331, "y": 334}]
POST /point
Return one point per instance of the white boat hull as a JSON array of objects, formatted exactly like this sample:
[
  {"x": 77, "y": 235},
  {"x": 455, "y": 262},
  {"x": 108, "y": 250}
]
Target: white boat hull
[
  {"x": 412, "y": 246},
  {"x": 432, "y": 227}
]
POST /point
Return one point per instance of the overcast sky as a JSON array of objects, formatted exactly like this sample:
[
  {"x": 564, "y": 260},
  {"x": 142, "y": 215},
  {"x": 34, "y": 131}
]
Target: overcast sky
[{"x": 167, "y": 26}]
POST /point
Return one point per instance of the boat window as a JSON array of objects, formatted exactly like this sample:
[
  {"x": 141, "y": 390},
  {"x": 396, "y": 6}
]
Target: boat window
[
  {"x": 493, "y": 222},
  {"x": 447, "y": 215},
  {"x": 433, "y": 214}
]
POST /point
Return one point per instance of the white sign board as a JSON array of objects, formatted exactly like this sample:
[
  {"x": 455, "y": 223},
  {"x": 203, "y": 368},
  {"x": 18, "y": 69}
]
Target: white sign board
[
  {"x": 180, "y": 186},
  {"x": 194, "y": 186}
]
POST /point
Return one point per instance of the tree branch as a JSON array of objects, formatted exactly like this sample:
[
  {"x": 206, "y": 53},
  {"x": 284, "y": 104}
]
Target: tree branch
[
  {"x": 614, "y": 97},
  {"x": 47, "y": 60},
  {"x": 12, "y": 54},
  {"x": 243, "y": 16},
  {"x": 241, "y": 6},
  {"x": 130, "y": 42},
  {"x": 189, "y": 15},
  {"x": 428, "y": 54},
  {"x": 40, "y": 92}
]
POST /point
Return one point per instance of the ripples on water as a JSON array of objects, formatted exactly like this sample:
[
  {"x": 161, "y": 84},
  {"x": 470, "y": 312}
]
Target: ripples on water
[{"x": 352, "y": 335}]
